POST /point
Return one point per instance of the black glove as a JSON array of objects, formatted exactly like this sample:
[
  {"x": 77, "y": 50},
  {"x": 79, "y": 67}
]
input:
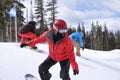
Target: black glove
[
  {"x": 83, "y": 48},
  {"x": 75, "y": 72},
  {"x": 23, "y": 45},
  {"x": 34, "y": 47}
]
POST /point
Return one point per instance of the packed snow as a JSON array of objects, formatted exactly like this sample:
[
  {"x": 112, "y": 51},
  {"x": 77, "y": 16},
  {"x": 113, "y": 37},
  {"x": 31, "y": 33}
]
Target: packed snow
[{"x": 15, "y": 62}]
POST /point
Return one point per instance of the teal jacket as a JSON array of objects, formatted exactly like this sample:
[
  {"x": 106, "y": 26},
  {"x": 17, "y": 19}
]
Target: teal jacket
[{"x": 77, "y": 37}]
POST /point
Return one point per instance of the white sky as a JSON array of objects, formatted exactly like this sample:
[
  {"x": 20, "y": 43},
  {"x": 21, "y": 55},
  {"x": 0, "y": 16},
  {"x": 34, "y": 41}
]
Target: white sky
[
  {"x": 88, "y": 11},
  {"x": 15, "y": 62}
]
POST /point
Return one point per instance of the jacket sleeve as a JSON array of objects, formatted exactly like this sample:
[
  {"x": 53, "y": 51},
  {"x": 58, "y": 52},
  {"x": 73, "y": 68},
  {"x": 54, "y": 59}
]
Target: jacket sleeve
[
  {"x": 81, "y": 40},
  {"x": 71, "y": 55},
  {"x": 40, "y": 39}
]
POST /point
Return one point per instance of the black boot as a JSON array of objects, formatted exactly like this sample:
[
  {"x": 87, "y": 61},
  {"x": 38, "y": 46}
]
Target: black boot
[{"x": 45, "y": 76}]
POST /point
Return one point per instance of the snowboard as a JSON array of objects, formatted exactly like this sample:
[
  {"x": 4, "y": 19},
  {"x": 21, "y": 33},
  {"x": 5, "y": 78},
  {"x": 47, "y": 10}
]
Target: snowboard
[{"x": 30, "y": 77}]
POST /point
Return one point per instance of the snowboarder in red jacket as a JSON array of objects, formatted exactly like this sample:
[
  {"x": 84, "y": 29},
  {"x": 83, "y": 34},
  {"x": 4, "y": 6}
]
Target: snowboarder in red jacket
[
  {"x": 27, "y": 31},
  {"x": 60, "y": 50}
]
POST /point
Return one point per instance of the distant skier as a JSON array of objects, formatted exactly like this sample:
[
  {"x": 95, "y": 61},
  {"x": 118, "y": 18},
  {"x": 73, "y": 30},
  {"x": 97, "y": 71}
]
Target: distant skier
[
  {"x": 27, "y": 31},
  {"x": 77, "y": 39},
  {"x": 61, "y": 50}
]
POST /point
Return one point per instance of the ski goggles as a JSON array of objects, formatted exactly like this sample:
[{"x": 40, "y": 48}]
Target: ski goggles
[{"x": 60, "y": 30}]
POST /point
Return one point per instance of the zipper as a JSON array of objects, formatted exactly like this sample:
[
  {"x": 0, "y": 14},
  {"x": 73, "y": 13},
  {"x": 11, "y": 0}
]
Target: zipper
[{"x": 55, "y": 46}]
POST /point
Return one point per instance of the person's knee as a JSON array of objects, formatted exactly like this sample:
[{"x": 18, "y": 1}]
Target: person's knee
[{"x": 40, "y": 69}]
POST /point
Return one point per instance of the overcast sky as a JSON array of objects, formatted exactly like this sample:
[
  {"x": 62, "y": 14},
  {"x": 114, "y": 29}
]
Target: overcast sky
[{"x": 88, "y": 11}]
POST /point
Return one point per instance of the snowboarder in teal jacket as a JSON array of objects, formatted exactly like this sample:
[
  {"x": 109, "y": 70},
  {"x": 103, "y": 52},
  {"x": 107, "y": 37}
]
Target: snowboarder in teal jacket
[{"x": 77, "y": 39}]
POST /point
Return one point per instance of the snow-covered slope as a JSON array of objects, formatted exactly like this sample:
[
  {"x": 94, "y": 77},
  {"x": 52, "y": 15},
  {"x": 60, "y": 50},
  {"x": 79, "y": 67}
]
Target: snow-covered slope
[{"x": 15, "y": 62}]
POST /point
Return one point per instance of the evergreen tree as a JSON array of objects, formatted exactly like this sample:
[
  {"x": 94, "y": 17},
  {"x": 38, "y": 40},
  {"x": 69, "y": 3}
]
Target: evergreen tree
[
  {"x": 19, "y": 13},
  {"x": 31, "y": 11},
  {"x": 117, "y": 39},
  {"x": 73, "y": 30},
  {"x": 19, "y": 17},
  {"x": 7, "y": 22},
  {"x": 40, "y": 15},
  {"x": 4, "y": 6},
  {"x": 79, "y": 27},
  {"x": 52, "y": 10},
  {"x": 87, "y": 42},
  {"x": 93, "y": 36},
  {"x": 99, "y": 37},
  {"x": 105, "y": 38},
  {"x": 69, "y": 31},
  {"x": 111, "y": 40},
  {"x": 83, "y": 32}
]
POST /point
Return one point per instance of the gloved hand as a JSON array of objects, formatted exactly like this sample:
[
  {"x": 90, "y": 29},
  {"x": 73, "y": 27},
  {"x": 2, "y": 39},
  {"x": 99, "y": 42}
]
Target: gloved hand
[
  {"x": 34, "y": 47},
  {"x": 75, "y": 72},
  {"x": 23, "y": 45}
]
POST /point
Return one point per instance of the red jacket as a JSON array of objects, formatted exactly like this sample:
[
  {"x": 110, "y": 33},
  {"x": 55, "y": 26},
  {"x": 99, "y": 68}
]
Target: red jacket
[{"x": 59, "y": 51}]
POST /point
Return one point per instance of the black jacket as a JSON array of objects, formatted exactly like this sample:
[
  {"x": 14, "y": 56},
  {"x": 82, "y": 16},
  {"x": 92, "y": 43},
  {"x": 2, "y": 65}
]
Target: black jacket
[{"x": 27, "y": 28}]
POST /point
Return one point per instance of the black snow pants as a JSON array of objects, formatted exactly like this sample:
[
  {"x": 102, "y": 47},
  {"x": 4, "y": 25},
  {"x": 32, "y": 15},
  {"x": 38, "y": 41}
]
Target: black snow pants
[{"x": 48, "y": 63}]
